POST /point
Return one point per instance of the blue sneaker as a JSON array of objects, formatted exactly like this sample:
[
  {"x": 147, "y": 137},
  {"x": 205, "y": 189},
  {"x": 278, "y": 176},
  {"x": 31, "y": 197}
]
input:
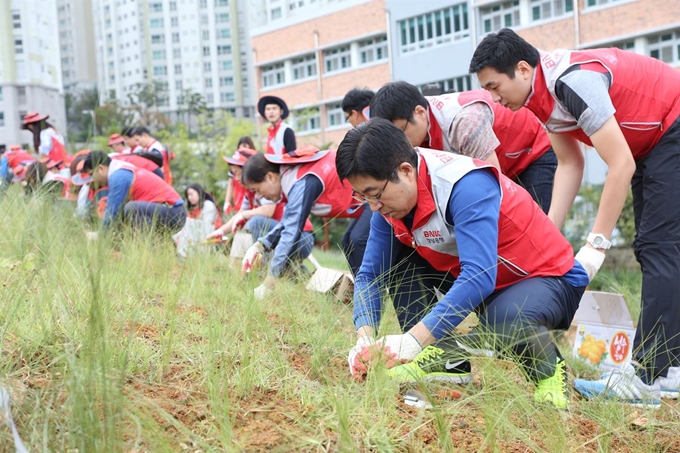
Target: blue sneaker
[{"x": 622, "y": 385}]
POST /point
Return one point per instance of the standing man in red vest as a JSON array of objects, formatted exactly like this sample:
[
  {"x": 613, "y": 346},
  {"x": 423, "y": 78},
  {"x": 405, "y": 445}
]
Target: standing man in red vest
[
  {"x": 627, "y": 107},
  {"x": 280, "y": 136},
  {"x": 474, "y": 236},
  {"x": 470, "y": 123}
]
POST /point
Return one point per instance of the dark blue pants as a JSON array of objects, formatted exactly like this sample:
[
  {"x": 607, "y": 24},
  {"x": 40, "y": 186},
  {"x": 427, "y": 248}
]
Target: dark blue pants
[
  {"x": 656, "y": 203},
  {"x": 538, "y": 179},
  {"x": 355, "y": 238},
  {"x": 260, "y": 225},
  {"x": 518, "y": 318},
  {"x": 144, "y": 213}
]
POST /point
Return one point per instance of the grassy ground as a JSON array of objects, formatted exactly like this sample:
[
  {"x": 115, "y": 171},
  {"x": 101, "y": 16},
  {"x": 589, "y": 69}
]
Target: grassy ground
[{"x": 112, "y": 346}]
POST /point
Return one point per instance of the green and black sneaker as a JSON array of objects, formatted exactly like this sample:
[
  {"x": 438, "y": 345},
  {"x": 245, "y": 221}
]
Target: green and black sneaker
[
  {"x": 554, "y": 390},
  {"x": 434, "y": 364}
]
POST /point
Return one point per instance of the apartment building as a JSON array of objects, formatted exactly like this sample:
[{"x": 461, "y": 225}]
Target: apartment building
[
  {"x": 178, "y": 45},
  {"x": 30, "y": 67},
  {"x": 77, "y": 44},
  {"x": 311, "y": 52},
  {"x": 433, "y": 41}
]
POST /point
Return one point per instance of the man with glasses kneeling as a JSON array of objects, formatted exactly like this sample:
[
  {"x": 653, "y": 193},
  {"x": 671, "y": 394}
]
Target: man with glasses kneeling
[{"x": 452, "y": 224}]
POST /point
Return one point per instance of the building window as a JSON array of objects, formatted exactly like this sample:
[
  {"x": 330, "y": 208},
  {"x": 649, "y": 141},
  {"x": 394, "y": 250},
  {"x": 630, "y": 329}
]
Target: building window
[
  {"x": 435, "y": 28},
  {"x": 303, "y": 67},
  {"x": 224, "y": 33},
  {"x": 665, "y": 47},
  {"x": 546, "y": 9},
  {"x": 206, "y": 51},
  {"x": 227, "y": 97},
  {"x": 222, "y": 17},
  {"x": 499, "y": 16},
  {"x": 207, "y": 67},
  {"x": 276, "y": 13},
  {"x": 2, "y": 119},
  {"x": 173, "y": 6},
  {"x": 592, "y": 3},
  {"x": 455, "y": 85},
  {"x": 337, "y": 59},
  {"x": 273, "y": 75},
  {"x": 178, "y": 69},
  {"x": 227, "y": 65},
  {"x": 160, "y": 70},
  {"x": 335, "y": 116},
  {"x": 221, "y": 2},
  {"x": 156, "y": 7},
  {"x": 178, "y": 84},
  {"x": 205, "y": 35},
  {"x": 223, "y": 50},
  {"x": 16, "y": 20},
  {"x": 175, "y": 37},
  {"x": 373, "y": 50},
  {"x": 177, "y": 53},
  {"x": 0, "y": 94},
  {"x": 18, "y": 46},
  {"x": 158, "y": 55},
  {"x": 208, "y": 83},
  {"x": 226, "y": 81},
  {"x": 308, "y": 120},
  {"x": 157, "y": 39},
  {"x": 174, "y": 22},
  {"x": 629, "y": 45},
  {"x": 156, "y": 23}
]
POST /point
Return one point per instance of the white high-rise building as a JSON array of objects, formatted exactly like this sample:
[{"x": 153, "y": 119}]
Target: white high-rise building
[
  {"x": 30, "y": 67},
  {"x": 76, "y": 42},
  {"x": 197, "y": 45}
]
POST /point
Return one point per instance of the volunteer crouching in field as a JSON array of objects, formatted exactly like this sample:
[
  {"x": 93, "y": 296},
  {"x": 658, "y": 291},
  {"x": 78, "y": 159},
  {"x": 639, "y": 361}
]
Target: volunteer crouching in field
[
  {"x": 256, "y": 214},
  {"x": 470, "y": 123},
  {"x": 478, "y": 238},
  {"x": 307, "y": 182},
  {"x": 627, "y": 106},
  {"x": 143, "y": 197}
]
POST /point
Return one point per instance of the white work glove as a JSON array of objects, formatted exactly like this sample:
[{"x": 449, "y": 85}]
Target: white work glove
[
  {"x": 217, "y": 234},
  {"x": 237, "y": 222},
  {"x": 252, "y": 258},
  {"x": 404, "y": 347},
  {"x": 261, "y": 292},
  {"x": 356, "y": 367},
  {"x": 227, "y": 208},
  {"x": 591, "y": 259}
]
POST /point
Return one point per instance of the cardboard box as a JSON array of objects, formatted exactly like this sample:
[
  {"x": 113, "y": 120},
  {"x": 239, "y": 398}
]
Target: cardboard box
[
  {"x": 240, "y": 244},
  {"x": 331, "y": 281},
  {"x": 604, "y": 330}
]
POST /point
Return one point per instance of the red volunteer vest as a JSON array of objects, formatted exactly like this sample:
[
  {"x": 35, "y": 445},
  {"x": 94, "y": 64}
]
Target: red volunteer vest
[
  {"x": 156, "y": 145},
  {"x": 522, "y": 137},
  {"x": 335, "y": 200},
  {"x": 58, "y": 151},
  {"x": 14, "y": 159},
  {"x": 146, "y": 186},
  {"x": 644, "y": 91},
  {"x": 529, "y": 244},
  {"x": 240, "y": 194},
  {"x": 275, "y": 139},
  {"x": 137, "y": 160}
]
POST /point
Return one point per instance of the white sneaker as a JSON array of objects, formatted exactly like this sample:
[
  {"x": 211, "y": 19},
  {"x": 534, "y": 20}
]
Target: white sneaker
[
  {"x": 622, "y": 385},
  {"x": 670, "y": 384}
]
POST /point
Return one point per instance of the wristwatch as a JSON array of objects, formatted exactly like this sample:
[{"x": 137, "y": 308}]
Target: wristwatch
[{"x": 598, "y": 241}]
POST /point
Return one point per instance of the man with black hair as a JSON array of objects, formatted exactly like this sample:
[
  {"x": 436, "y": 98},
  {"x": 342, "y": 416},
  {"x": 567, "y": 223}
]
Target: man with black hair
[
  {"x": 626, "y": 106},
  {"x": 470, "y": 123},
  {"x": 356, "y": 104},
  {"x": 130, "y": 141},
  {"x": 280, "y": 136},
  {"x": 152, "y": 146},
  {"x": 474, "y": 236},
  {"x": 144, "y": 198}
]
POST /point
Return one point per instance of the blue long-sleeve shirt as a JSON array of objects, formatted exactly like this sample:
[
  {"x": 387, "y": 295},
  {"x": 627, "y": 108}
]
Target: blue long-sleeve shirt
[
  {"x": 286, "y": 234},
  {"x": 4, "y": 166},
  {"x": 473, "y": 209},
  {"x": 120, "y": 182}
]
